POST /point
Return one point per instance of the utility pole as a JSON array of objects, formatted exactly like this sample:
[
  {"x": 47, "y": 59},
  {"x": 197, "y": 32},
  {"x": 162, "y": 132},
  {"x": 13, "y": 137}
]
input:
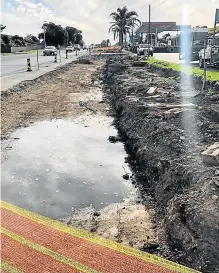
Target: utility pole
[
  {"x": 132, "y": 31},
  {"x": 44, "y": 32},
  {"x": 149, "y": 26},
  {"x": 215, "y": 22}
]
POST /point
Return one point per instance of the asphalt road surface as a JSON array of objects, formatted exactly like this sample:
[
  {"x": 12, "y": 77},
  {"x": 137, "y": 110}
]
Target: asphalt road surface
[
  {"x": 11, "y": 64},
  {"x": 14, "y": 67}
]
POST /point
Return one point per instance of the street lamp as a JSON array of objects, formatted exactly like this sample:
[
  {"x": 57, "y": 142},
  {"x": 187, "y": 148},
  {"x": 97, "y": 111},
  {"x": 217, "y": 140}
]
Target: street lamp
[{"x": 44, "y": 32}]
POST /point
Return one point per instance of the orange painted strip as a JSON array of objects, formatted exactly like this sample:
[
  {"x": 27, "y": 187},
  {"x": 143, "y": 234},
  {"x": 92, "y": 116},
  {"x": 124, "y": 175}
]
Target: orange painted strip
[
  {"x": 30, "y": 261},
  {"x": 81, "y": 250}
]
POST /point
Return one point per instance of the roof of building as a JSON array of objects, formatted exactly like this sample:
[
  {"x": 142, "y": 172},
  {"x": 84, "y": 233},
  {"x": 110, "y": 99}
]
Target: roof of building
[{"x": 160, "y": 27}]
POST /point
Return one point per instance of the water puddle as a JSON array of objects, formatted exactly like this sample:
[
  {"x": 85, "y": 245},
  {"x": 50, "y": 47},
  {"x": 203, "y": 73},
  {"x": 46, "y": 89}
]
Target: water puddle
[{"x": 55, "y": 167}]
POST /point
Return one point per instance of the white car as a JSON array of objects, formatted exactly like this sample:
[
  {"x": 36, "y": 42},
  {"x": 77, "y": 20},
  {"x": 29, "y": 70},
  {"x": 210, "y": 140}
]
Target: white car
[
  {"x": 210, "y": 55},
  {"x": 204, "y": 54},
  {"x": 69, "y": 49},
  {"x": 50, "y": 50},
  {"x": 77, "y": 47},
  {"x": 145, "y": 47}
]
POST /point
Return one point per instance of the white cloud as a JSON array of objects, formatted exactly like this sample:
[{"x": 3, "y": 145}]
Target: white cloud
[{"x": 92, "y": 16}]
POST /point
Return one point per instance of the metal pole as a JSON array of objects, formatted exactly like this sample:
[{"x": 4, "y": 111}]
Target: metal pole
[
  {"x": 44, "y": 35},
  {"x": 215, "y": 23},
  {"x": 132, "y": 31},
  {"x": 38, "y": 58},
  {"x": 205, "y": 66},
  {"x": 149, "y": 26},
  {"x": 156, "y": 38},
  {"x": 60, "y": 54}
]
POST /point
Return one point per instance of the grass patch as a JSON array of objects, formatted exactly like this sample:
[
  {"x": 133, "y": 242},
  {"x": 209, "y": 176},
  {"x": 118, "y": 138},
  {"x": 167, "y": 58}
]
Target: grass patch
[
  {"x": 211, "y": 75},
  {"x": 35, "y": 51}
]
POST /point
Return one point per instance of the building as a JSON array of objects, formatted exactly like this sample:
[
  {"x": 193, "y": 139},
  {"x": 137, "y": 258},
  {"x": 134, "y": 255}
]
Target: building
[
  {"x": 196, "y": 34},
  {"x": 158, "y": 27}
]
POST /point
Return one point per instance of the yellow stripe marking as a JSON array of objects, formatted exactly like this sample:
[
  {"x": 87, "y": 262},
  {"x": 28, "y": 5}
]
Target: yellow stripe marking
[
  {"x": 97, "y": 239},
  {"x": 10, "y": 268},
  {"x": 49, "y": 252}
]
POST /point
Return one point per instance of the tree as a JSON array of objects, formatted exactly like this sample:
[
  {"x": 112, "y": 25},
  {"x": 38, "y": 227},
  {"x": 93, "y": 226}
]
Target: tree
[
  {"x": 78, "y": 37},
  {"x": 72, "y": 31},
  {"x": 31, "y": 39},
  {"x": 124, "y": 22},
  {"x": 2, "y": 27},
  {"x": 54, "y": 34},
  {"x": 5, "y": 40},
  {"x": 17, "y": 41},
  {"x": 103, "y": 43}
]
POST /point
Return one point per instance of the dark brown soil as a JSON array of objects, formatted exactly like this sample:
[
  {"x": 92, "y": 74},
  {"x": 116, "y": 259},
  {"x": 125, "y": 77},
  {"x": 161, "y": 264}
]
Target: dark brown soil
[{"x": 165, "y": 155}]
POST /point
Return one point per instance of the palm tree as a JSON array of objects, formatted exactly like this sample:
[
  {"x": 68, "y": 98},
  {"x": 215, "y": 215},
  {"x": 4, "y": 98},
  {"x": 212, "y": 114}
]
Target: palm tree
[{"x": 124, "y": 22}]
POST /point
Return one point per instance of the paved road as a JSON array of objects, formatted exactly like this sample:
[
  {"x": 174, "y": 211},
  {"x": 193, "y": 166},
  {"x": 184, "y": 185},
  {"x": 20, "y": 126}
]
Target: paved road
[
  {"x": 15, "y": 63},
  {"x": 14, "y": 67},
  {"x": 169, "y": 57}
]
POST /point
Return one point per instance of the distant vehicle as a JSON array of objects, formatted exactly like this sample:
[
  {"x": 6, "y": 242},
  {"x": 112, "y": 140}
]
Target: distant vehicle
[
  {"x": 210, "y": 55},
  {"x": 133, "y": 48},
  {"x": 162, "y": 45},
  {"x": 69, "y": 49},
  {"x": 145, "y": 47},
  {"x": 50, "y": 50},
  {"x": 77, "y": 47},
  {"x": 192, "y": 54},
  {"x": 85, "y": 47}
]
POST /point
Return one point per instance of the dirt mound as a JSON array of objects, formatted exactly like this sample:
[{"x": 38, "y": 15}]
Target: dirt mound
[{"x": 166, "y": 126}]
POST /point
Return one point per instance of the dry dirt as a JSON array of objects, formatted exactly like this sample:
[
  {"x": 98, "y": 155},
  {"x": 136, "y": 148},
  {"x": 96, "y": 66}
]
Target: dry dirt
[
  {"x": 54, "y": 95},
  {"x": 72, "y": 92}
]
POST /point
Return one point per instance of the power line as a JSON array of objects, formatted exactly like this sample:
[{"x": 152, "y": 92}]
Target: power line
[{"x": 160, "y": 4}]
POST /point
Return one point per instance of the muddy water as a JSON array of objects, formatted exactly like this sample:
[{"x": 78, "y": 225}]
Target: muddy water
[{"x": 55, "y": 167}]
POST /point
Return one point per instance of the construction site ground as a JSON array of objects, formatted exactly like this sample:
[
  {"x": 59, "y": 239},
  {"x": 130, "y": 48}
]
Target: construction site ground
[{"x": 118, "y": 235}]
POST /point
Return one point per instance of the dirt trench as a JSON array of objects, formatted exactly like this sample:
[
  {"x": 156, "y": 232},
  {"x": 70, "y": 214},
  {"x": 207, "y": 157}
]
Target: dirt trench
[
  {"x": 164, "y": 136},
  {"x": 74, "y": 93}
]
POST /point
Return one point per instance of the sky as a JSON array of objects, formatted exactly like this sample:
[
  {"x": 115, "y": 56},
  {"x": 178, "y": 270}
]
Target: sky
[{"x": 24, "y": 17}]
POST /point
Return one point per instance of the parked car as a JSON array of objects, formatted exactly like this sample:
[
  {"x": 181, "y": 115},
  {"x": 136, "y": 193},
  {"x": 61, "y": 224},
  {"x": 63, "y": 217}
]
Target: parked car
[
  {"x": 134, "y": 48},
  {"x": 143, "y": 47},
  {"x": 210, "y": 55},
  {"x": 77, "y": 47},
  {"x": 50, "y": 50},
  {"x": 69, "y": 49}
]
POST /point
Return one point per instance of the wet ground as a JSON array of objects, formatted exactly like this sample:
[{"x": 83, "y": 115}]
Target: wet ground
[
  {"x": 58, "y": 166},
  {"x": 57, "y": 159}
]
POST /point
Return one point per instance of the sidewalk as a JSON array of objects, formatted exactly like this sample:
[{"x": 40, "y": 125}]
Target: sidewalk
[{"x": 32, "y": 243}]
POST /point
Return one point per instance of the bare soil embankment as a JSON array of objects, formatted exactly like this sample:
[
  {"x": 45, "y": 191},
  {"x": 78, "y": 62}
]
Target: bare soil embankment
[{"x": 165, "y": 135}]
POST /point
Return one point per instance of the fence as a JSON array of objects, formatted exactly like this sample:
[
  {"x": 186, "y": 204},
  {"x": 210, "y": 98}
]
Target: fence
[{"x": 13, "y": 49}]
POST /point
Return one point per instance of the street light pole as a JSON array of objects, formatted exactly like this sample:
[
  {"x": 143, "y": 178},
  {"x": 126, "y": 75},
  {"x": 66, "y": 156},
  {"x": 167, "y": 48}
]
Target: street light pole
[
  {"x": 149, "y": 26},
  {"x": 44, "y": 32}
]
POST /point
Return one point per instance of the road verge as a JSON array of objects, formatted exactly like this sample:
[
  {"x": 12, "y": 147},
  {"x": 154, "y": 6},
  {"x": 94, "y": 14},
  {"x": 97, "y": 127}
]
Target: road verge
[{"x": 173, "y": 69}]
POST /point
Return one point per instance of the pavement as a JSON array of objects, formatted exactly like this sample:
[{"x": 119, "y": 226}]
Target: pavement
[
  {"x": 32, "y": 243},
  {"x": 170, "y": 57},
  {"x": 14, "y": 67}
]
